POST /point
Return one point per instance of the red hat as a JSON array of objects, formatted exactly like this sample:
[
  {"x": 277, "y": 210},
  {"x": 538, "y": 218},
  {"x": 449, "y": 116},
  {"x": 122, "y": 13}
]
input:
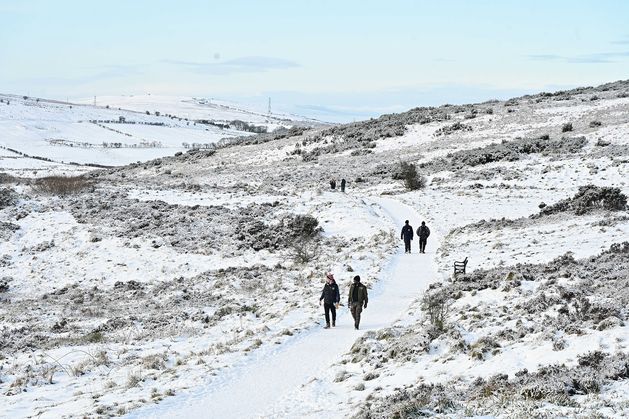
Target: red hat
[{"x": 330, "y": 275}]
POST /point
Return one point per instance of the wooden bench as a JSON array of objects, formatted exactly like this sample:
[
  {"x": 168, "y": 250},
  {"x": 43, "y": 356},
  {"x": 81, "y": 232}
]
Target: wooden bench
[{"x": 459, "y": 267}]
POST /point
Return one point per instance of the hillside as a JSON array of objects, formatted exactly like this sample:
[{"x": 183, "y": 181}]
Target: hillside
[
  {"x": 39, "y": 134},
  {"x": 190, "y": 282}
]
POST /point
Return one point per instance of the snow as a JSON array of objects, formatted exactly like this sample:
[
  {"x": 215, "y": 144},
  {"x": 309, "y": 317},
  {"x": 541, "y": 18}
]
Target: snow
[
  {"x": 31, "y": 126},
  {"x": 269, "y": 356},
  {"x": 264, "y": 385}
]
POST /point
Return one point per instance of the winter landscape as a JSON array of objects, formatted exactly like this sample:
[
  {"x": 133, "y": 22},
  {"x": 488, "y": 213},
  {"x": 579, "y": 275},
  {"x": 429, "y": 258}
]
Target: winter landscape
[
  {"x": 190, "y": 282},
  {"x": 170, "y": 236}
]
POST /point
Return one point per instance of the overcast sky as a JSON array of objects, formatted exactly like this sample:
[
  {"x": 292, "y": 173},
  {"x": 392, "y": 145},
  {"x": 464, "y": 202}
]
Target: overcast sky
[{"x": 336, "y": 60}]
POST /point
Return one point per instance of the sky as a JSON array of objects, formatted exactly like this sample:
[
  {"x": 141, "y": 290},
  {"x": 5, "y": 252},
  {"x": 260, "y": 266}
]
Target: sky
[{"x": 339, "y": 60}]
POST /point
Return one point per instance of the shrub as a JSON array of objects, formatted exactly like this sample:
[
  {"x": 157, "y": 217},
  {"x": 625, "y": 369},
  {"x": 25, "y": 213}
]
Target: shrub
[
  {"x": 61, "y": 185},
  {"x": 94, "y": 337},
  {"x": 4, "y": 284},
  {"x": 303, "y": 225},
  {"x": 436, "y": 304},
  {"x": 566, "y": 127},
  {"x": 594, "y": 124},
  {"x": 448, "y": 129},
  {"x": 7, "y": 197},
  {"x": 589, "y": 198},
  {"x": 304, "y": 250},
  {"x": 412, "y": 180}
]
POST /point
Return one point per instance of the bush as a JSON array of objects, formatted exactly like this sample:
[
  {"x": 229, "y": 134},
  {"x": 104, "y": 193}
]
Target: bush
[
  {"x": 94, "y": 337},
  {"x": 412, "y": 180},
  {"x": 4, "y": 284},
  {"x": 7, "y": 197},
  {"x": 589, "y": 198},
  {"x": 595, "y": 124},
  {"x": 566, "y": 127},
  {"x": 448, "y": 129},
  {"x": 436, "y": 304},
  {"x": 61, "y": 185},
  {"x": 303, "y": 226},
  {"x": 304, "y": 249}
]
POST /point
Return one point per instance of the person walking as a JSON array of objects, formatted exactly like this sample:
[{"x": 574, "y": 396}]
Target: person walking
[
  {"x": 343, "y": 185},
  {"x": 357, "y": 300},
  {"x": 423, "y": 232},
  {"x": 332, "y": 184},
  {"x": 330, "y": 297},
  {"x": 407, "y": 236}
]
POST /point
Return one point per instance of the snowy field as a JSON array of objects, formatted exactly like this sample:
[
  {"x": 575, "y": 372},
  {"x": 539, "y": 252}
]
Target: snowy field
[
  {"x": 202, "y": 108},
  {"x": 188, "y": 286},
  {"x": 113, "y": 135}
]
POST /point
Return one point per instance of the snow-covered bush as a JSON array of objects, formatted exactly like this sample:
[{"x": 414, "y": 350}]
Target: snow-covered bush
[
  {"x": 61, "y": 185},
  {"x": 436, "y": 304},
  {"x": 7, "y": 197},
  {"x": 506, "y": 151},
  {"x": 566, "y": 127},
  {"x": 589, "y": 198},
  {"x": 449, "y": 129},
  {"x": 408, "y": 173}
]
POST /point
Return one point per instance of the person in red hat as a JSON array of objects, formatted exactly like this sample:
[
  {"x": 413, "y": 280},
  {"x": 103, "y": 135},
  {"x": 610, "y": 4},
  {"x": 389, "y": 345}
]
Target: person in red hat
[{"x": 330, "y": 297}]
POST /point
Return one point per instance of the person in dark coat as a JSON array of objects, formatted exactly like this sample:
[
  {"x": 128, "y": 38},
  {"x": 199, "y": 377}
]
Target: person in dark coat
[
  {"x": 331, "y": 298},
  {"x": 357, "y": 300},
  {"x": 343, "y": 185},
  {"x": 423, "y": 232},
  {"x": 332, "y": 184},
  {"x": 407, "y": 236}
]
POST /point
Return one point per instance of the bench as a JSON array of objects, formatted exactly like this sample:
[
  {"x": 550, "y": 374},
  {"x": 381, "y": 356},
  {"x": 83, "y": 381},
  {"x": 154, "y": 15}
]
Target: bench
[{"x": 459, "y": 267}]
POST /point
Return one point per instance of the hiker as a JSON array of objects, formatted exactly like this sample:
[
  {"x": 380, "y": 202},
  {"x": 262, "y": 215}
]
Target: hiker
[
  {"x": 332, "y": 184},
  {"x": 331, "y": 298},
  {"x": 343, "y": 185},
  {"x": 423, "y": 232},
  {"x": 357, "y": 300},
  {"x": 407, "y": 236}
]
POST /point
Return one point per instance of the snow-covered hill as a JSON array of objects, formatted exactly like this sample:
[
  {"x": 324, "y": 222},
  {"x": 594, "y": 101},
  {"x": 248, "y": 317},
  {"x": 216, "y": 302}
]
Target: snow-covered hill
[
  {"x": 165, "y": 287},
  {"x": 195, "y": 108},
  {"x": 42, "y": 134}
]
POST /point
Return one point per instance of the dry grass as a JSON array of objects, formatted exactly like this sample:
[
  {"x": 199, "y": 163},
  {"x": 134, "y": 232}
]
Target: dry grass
[{"x": 61, "y": 185}]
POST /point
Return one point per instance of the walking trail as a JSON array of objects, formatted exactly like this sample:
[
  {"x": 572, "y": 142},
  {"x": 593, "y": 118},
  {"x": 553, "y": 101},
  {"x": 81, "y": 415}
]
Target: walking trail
[{"x": 261, "y": 385}]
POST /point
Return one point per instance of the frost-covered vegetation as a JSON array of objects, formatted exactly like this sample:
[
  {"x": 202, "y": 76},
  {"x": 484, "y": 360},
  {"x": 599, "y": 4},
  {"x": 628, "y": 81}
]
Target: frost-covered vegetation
[
  {"x": 571, "y": 299},
  {"x": 174, "y": 275}
]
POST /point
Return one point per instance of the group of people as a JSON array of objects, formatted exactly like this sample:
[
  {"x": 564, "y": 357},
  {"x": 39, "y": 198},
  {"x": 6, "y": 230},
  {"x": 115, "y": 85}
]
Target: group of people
[
  {"x": 407, "y": 235},
  {"x": 357, "y": 298},
  {"x": 333, "y": 184},
  {"x": 331, "y": 297}
]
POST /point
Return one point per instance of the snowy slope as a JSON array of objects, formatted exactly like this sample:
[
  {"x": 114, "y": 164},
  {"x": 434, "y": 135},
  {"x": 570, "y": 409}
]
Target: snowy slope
[
  {"x": 265, "y": 383},
  {"x": 85, "y": 134},
  {"x": 177, "y": 288},
  {"x": 195, "y": 108}
]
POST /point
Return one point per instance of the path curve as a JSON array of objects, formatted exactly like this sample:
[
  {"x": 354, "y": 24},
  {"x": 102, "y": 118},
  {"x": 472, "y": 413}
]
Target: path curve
[{"x": 261, "y": 385}]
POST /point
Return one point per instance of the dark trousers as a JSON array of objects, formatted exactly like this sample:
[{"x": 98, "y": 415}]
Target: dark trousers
[
  {"x": 407, "y": 245},
  {"x": 356, "y": 309},
  {"x": 329, "y": 307},
  {"x": 422, "y": 244}
]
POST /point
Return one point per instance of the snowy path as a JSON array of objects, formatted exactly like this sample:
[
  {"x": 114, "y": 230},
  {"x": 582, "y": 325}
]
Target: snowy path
[{"x": 261, "y": 385}]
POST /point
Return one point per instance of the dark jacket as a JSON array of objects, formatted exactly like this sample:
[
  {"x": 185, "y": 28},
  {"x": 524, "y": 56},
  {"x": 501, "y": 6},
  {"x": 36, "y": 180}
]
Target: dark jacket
[
  {"x": 407, "y": 232},
  {"x": 363, "y": 298},
  {"x": 423, "y": 232},
  {"x": 330, "y": 293}
]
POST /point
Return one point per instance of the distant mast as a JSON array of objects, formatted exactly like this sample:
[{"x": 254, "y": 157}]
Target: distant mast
[{"x": 269, "y": 112}]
